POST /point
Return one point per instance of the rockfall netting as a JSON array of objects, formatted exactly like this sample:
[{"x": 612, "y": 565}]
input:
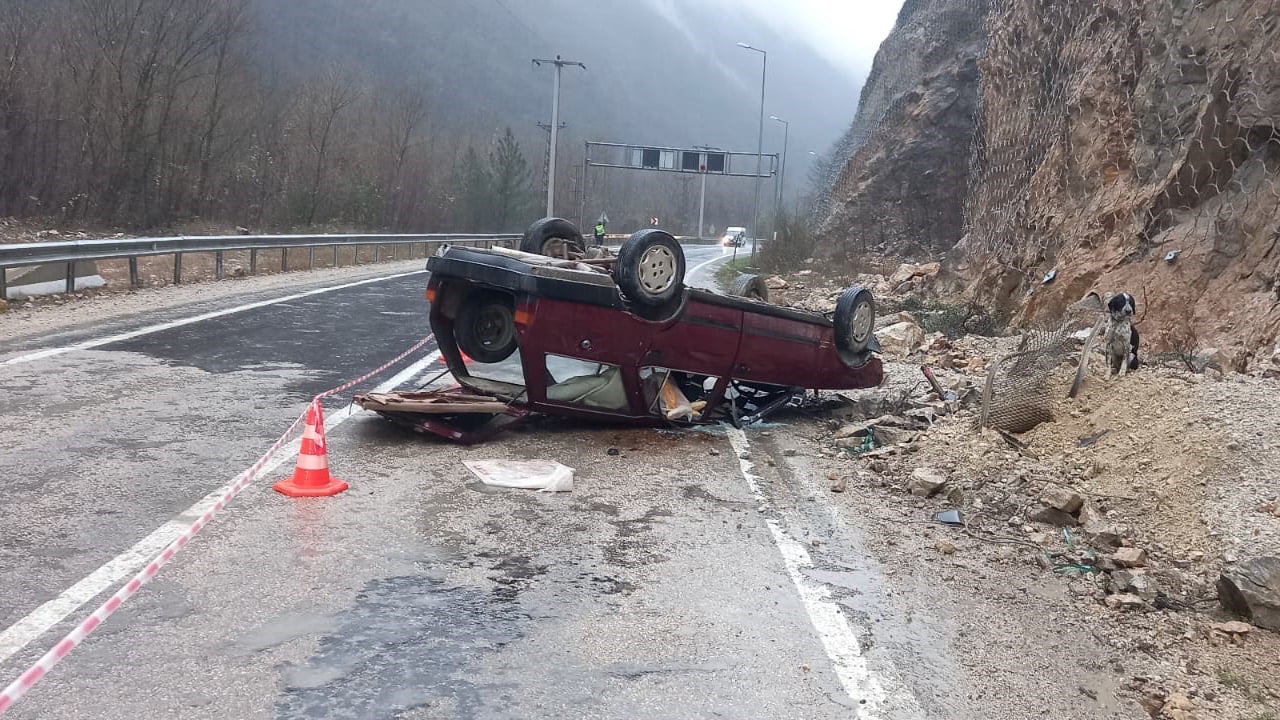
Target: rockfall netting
[{"x": 1139, "y": 124}]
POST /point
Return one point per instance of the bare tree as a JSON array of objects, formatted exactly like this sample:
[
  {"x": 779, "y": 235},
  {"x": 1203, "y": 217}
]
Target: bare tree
[{"x": 323, "y": 103}]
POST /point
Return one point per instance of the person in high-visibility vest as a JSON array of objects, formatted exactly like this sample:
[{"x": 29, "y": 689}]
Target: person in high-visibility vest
[{"x": 600, "y": 232}]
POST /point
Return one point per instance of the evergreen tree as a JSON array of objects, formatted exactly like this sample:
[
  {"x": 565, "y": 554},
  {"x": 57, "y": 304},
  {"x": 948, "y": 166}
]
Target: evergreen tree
[{"x": 511, "y": 193}]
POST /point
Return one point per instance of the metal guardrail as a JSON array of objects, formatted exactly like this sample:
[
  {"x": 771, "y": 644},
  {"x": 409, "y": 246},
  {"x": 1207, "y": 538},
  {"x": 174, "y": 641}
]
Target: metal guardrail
[{"x": 76, "y": 251}]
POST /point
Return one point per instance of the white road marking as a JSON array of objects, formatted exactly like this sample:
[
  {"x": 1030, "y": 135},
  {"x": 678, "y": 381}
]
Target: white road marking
[
  {"x": 99, "y": 342},
  {"x": 127, "y": 563},
  {"x": 696, "y": 268},
  {"x": 837, "y": 634}
]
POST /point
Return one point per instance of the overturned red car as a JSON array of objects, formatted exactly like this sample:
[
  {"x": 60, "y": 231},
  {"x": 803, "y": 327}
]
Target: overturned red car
[{"x": 564, "y": 329}]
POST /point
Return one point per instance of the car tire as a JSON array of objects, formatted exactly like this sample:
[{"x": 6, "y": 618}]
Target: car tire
[
  {"x": 855, "y": 321},
  {"x": 650, "y": 268},
  {"x": 751, "y": 287},
  {"x": 485, "y": 328},
  {"x": 553, "y": 237}
]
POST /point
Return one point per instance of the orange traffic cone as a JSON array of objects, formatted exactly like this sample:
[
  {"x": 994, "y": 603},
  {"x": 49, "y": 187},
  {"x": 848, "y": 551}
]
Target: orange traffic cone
[{"x": 311, "y": 478}]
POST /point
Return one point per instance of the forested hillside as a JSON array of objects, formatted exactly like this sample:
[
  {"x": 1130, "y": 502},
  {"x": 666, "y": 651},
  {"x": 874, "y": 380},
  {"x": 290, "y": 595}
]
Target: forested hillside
[{"x": 393, "y": 114}]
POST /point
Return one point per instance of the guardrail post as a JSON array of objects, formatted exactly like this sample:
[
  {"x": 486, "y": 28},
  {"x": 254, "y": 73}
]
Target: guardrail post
[
  {"x": 335, "y": 255},
  {"x": 284, "y": 259},
  {"x": 4, "y": 283},
  {"x": 133, "y": 273},
  {"x": 177, "y": 268},
  {"x": 253, "y": 261},
  {"x": 71, "y": 278},
  {"x": 217, "y": 266},
  {"x": 356, "y": 261},
  {"x": 311, "y": 258},
  {"x": 377, "y": 254}
]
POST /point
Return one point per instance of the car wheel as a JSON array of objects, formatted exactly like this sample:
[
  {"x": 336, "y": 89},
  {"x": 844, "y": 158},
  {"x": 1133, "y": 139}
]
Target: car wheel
[
  {"x": 485, "y": 328},
  {"x": 855, "y": 320},
  {"x": 751, "y": 287},
  {"x": 650, "y": 268},
  {"x": 553, "y": 237}
]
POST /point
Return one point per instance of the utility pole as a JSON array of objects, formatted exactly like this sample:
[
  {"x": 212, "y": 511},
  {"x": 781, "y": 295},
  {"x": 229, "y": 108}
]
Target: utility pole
[
  {"x": 702, "y": 199},
  {"x": 546, "y": 158},
  {"x": 555, "y": 125}
]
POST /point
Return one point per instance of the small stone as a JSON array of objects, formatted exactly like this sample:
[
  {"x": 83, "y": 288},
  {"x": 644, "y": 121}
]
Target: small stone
[
  {"x": 714, "y": 452},
  {"x": 744, "y": 455},
  {"x": 878, "y": 466},
  {"x": 789, "y": 452},
  {"x": 1062, "y": 499},
  {"x": 613, "y": 451},
  {"x": 926, "y": 481},
  {"x": 1130, "y": 557},
  {"x": 4, "y": 304},
  {"x": 839, "y": 485},
  {"x": 945, "y": 547}
]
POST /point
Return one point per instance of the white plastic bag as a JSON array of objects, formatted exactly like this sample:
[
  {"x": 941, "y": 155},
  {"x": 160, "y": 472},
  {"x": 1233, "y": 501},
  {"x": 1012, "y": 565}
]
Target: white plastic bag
[{"x": 540, "y": 475}]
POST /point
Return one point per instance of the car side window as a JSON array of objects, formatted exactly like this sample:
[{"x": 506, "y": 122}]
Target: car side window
[
  {"x": 574, "y": 381},
  {"x": 675, "y": 395}
]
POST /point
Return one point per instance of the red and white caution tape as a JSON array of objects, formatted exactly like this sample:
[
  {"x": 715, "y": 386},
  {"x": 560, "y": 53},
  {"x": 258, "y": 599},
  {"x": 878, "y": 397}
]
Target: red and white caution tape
[{"x": 19, "y": 687}]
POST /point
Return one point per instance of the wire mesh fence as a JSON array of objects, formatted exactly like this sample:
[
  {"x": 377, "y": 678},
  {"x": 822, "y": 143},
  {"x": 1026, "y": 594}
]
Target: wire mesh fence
[
  {"x": 1020, "y": 388},
  {"x": 1137, "y": 123}
]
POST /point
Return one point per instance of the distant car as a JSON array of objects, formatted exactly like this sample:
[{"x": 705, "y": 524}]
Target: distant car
[
  {"x": 734, "y": 237},
  {"x": 621, "y": 339}
]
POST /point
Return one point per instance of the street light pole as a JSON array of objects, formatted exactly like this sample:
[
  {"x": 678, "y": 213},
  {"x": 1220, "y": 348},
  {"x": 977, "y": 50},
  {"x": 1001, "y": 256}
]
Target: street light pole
[
  {"x": 555, "y": 126},
  {"x": 782, "y": 174},
  {"x": 755, "y": 205}
]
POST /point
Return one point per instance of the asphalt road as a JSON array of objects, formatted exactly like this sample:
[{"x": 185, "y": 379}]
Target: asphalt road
[{"x": 674, "y": 581}]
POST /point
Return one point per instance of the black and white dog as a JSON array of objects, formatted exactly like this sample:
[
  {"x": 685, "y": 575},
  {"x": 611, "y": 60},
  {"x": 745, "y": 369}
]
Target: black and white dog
[{"x": 1121, "y": 345}]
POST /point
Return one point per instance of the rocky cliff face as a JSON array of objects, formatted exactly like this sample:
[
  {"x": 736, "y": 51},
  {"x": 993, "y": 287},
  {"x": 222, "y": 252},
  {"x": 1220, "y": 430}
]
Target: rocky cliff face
[
  {"x": 1130, "y": 145},
  {"x": 901, "y": 183},
  {"x": 1116, "y": 132}
]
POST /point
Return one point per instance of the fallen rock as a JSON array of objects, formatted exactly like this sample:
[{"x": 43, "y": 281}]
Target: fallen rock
[
  {"x": 908, "y": 271},
  {"x": 1125, "y": 601},
  {"x": 926, "y": 481},
  {"x": 1136, "y": 583},
  {"x": 4, "y": 304},
  {"x": 1235, "y": 627},
  {"x": 1051, "y": 516},
  {"x": 775, "y": 282},
  {"x": 902, "y": 316},
  {"x": 1252, "y": 590},
  {"x": 946, "y": 548},
  {"x": 839, "y": 484},
  {"x": 900, "y": 339},
  {"x": 1062, "y": 499},
  {"x": 1128, "y": 557},
  {"x": 1179, "y": 707},
  {"x": 789, "y": 452},
  {"x": 1097, "y": 528}
]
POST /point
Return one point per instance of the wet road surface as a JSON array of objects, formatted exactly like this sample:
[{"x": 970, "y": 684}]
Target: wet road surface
[{"x": 655, "y": 589}]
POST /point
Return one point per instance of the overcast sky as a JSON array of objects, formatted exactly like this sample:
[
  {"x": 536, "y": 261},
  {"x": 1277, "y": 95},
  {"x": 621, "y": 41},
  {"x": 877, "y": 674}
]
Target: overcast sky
[{"x": 848, "y": 32}]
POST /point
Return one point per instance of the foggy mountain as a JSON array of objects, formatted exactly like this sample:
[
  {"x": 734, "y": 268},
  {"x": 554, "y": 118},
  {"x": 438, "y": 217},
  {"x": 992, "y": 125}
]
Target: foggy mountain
[{"x": 658, "y": 71}]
